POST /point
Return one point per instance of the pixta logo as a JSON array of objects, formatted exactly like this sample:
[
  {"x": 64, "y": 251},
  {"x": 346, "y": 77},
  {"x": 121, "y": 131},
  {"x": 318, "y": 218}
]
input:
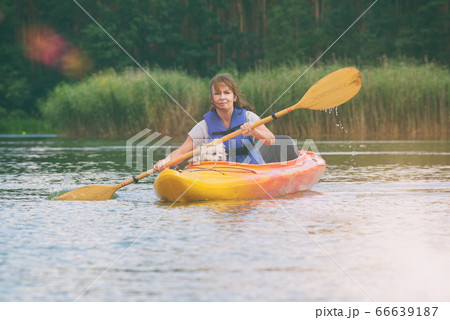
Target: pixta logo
[
  {"x": 310, "y": 145},
  {"x": 148, "y": 142}
]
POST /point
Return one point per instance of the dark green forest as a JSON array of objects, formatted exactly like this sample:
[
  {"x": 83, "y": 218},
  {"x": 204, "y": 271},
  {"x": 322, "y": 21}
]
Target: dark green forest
[{"x": 202, "y": 37}]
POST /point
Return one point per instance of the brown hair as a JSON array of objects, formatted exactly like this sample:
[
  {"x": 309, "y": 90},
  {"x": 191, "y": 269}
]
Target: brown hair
[{"x": 226, "y": 78}]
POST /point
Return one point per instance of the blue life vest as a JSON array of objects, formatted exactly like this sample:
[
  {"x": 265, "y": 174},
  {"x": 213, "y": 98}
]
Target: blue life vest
[{"x": 240, "y": 148}]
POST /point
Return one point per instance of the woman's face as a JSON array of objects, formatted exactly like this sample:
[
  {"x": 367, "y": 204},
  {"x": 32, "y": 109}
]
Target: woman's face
[{"x": 222, "y": 97}]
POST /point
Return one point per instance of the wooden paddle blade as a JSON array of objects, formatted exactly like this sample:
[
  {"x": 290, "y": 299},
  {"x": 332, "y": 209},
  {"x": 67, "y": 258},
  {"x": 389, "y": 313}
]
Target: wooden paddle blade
[
  {"x": 332, "y": 90},
  {"x": 95, "y": 192}
]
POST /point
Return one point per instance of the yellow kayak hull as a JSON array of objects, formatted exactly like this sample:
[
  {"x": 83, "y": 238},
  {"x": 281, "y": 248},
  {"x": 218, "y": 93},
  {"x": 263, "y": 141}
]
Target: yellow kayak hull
[{"x": 229, "y": 180}]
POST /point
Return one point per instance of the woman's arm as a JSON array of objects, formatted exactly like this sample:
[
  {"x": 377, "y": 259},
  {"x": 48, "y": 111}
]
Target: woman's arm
[{"x": 186, "y": 147}]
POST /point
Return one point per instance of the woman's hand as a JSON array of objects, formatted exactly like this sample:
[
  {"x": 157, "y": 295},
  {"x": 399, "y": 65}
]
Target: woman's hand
[
  {"x": 187, "y": 146},
  {"x": 261, "y": 132},
  {"x": 247, "y": 129},
  {"x": 160, "y": 165}
]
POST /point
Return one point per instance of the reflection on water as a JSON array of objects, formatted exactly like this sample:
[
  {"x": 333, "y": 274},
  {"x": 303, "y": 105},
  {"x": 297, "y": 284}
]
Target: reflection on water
[{"x": 381, "y": 211}]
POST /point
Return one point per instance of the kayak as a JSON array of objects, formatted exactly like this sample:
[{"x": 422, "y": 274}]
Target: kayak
[{"x": 211, "y": 180}]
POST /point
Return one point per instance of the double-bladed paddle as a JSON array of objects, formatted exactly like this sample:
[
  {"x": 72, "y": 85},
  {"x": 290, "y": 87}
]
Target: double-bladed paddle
[{"x": 330, "y": 91}]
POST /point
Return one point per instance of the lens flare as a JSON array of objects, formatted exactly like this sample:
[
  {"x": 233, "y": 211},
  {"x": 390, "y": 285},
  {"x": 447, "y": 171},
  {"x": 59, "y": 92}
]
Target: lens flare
[
  {"x": 75, "y": 63},
  {"x": 45, "y": 45}
]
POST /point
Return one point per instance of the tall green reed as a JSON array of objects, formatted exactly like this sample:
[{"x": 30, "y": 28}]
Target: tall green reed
[
  {"x": 112, "y": 105},
  {"x": 397, "y": 100}
]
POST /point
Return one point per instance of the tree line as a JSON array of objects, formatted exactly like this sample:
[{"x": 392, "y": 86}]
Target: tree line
[{"x": 202, "y": 37}]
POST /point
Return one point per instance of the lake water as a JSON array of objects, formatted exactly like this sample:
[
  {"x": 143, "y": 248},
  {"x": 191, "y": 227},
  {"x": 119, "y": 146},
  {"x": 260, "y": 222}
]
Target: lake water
[{"x": 376, "y": 227}]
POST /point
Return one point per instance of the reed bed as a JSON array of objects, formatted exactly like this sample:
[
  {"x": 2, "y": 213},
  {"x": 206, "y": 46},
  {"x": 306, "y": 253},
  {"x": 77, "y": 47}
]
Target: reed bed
[
  {"x": 112, "y": 105},
  {"x": 397, "y": 100}
]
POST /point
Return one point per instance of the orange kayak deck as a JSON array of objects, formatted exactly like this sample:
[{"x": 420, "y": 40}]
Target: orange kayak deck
[{"x": 230, "y": 180}]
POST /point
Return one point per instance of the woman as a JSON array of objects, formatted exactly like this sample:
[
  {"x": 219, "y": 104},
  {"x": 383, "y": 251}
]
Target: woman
[{"x": 228, "y": 113}]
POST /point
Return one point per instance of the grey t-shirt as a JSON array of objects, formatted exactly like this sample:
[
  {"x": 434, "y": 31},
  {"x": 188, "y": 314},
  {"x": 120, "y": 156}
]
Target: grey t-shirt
[{"x": 199, "y": 133}]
